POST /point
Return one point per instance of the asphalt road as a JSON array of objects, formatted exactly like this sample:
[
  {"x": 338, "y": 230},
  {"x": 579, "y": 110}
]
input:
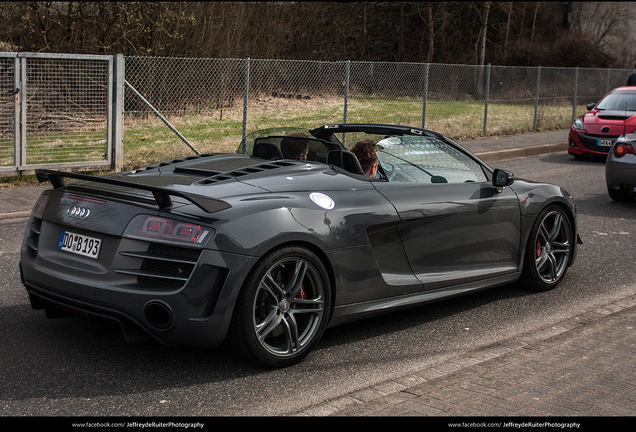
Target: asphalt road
[{"x": 61, "y": 368}]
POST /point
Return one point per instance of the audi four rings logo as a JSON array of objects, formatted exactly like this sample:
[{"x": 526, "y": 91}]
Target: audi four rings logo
[{"x": 78, "y": 212}]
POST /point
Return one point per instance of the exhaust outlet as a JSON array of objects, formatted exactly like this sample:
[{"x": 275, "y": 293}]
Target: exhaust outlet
[{"x": 158, "y": 315}]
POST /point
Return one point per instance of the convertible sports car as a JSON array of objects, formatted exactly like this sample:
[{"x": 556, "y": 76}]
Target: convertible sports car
[
  {"x": 264, "y": 251},
  {"x": 593, "y": 133}
]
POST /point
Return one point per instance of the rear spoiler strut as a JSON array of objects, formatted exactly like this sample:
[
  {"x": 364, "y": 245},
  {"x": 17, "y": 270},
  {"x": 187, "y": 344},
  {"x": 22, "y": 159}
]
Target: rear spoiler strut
[{"x": 161, "y": 195}]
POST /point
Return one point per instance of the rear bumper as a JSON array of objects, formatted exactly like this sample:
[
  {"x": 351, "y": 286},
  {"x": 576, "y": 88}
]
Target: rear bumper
[
  {"x": 621, "y": 173},
  {"x": 197, "y": 314}
]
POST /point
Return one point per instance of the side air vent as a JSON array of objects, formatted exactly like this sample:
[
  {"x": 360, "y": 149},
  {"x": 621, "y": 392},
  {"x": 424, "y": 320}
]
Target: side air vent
[
  {"x": 33, "y": 239},
  {"x": 254, "y": 169},
  {"x": 195, "y": 172},
  {"x": 163, "y": 266},
  {"x": 614, "y": 115}
]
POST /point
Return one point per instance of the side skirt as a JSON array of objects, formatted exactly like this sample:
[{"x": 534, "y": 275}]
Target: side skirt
[{"x": 352, "y": 312}]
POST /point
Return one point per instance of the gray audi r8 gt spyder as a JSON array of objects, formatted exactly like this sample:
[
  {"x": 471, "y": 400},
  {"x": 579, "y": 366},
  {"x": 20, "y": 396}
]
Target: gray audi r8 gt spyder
[
  {"x": 620, "y": 169},
  {"x": 264, "y": 250}
]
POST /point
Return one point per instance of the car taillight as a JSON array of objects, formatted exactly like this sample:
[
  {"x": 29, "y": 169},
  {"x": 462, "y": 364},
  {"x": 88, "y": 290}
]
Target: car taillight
[
  {"x": 164, "y": 229},
  {"x": 155, "y": 226},
  {"x": 40, "y": 205},
  {"x": 621, "y": 150}
]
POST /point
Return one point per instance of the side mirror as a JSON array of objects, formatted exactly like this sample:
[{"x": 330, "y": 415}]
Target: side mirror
[
  {"x": 502, "y": 178},
  {"x": 590, "y": 106}
]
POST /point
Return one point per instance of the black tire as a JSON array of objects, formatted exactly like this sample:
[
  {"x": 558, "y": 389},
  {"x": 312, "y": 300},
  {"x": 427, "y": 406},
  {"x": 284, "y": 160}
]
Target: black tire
[
  {"x": 549, "y": 249},
  {"x": 283, "y": 308},
  {"x": 619, "y": 195}
]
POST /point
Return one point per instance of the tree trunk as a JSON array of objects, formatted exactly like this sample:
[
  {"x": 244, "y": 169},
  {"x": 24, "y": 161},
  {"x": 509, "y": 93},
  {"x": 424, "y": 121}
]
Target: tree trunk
[
  {"x": 431, "y": 33},
  {"x": 505, "y": 48},
  {"x": 534, "y": 25},
  {"x": 483, "y": 34}
]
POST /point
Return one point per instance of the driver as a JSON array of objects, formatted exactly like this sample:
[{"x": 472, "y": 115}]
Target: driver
[
  {"x": 294, "y": 146},
  {"x": 365, "y": 152}
]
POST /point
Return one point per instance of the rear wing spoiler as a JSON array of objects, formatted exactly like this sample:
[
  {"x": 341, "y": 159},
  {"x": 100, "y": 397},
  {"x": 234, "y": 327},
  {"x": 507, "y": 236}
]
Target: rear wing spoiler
[{"x": 162, "y": 196}]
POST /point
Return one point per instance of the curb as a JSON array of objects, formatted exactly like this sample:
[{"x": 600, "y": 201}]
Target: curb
[
  {"x": 15, "y": 215},
  {"x": 385, "y": 395}
]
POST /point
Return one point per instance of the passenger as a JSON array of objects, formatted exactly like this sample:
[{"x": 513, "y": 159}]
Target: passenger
[
  {"x": 295, "y": 147},
  {"x": 365, "y": 152}
]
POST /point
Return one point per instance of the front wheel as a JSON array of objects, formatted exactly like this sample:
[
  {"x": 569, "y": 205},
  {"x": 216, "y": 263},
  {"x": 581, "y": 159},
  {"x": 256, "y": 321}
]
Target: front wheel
[
  {"x": 283, "y": 308},
  {"x": 549, "y": 249}
]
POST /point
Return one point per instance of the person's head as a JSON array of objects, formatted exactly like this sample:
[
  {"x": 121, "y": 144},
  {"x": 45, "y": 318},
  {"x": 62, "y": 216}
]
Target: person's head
[
  {"x": 295, "y": 146},
  {"x": 365, "y": 152}
]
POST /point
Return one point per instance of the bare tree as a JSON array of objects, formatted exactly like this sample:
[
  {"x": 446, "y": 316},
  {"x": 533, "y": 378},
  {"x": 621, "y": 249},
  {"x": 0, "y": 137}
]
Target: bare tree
[
  {"x": 368, "y": 30},
  {"x": 481, "y": 41},
  {"x": 430, "y": 26},
  {"x": 435, "y": 18},
  {"x": 534, "y": 22},
  {"x": 610, "y": 26},
  {"x": 505, "y": 47}
]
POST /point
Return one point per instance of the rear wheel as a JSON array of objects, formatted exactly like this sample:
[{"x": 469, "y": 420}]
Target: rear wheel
[
  {"x": 549, "y": 249},
  {"x": 282, "y": 310}
]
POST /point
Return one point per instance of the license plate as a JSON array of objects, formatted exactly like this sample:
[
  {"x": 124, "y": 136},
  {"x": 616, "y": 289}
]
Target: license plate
[
  {"x": 79, "y": 244},
  {"x": 604, "y": 142}
]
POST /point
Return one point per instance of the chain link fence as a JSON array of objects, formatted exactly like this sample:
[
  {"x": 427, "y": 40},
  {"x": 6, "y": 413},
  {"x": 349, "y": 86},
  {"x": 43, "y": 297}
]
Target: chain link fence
[
  {"x": 213, "y": 103},
  {"x": 68, "y": 111}
]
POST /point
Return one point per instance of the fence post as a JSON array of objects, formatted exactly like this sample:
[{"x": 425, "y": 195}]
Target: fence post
[
  {"x": 607, "y": 88},
  {"x": 116, "y": 131},
  {"x": 487, "y": 95},
  {"x": 17, "y": 134},
  {"x": 22, "y": 112},
  {"x": 536, "y": 104},
  {"x": 346, "y": 95},
  {"x": 245, "y": 97},
  {"x": 425, "y": 95},
  {"x": 576, "y": 82}
]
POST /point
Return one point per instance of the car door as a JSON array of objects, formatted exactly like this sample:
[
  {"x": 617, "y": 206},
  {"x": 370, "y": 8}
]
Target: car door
[{"x": 456, "y": 227}]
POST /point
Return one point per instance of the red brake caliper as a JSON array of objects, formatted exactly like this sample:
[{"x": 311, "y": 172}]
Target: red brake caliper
[
  {"x": 537, "y": 249},
  {"x": 301, "y": 294}
]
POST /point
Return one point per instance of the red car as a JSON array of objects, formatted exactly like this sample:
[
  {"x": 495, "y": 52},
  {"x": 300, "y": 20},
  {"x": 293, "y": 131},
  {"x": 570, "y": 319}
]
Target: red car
[{"x": 595, "y": 132}]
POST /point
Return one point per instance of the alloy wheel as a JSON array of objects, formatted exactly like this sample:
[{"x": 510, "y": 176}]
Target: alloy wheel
[
  {"x": 552, "y": 247},
  {"x": 288, "y": 306}
]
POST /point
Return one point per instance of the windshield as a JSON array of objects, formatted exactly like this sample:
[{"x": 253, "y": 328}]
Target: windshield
[
  {"x": 401, "y": 158},
  {"x": 619, "y": 101},
  {"x": 422, "y": 159}
]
